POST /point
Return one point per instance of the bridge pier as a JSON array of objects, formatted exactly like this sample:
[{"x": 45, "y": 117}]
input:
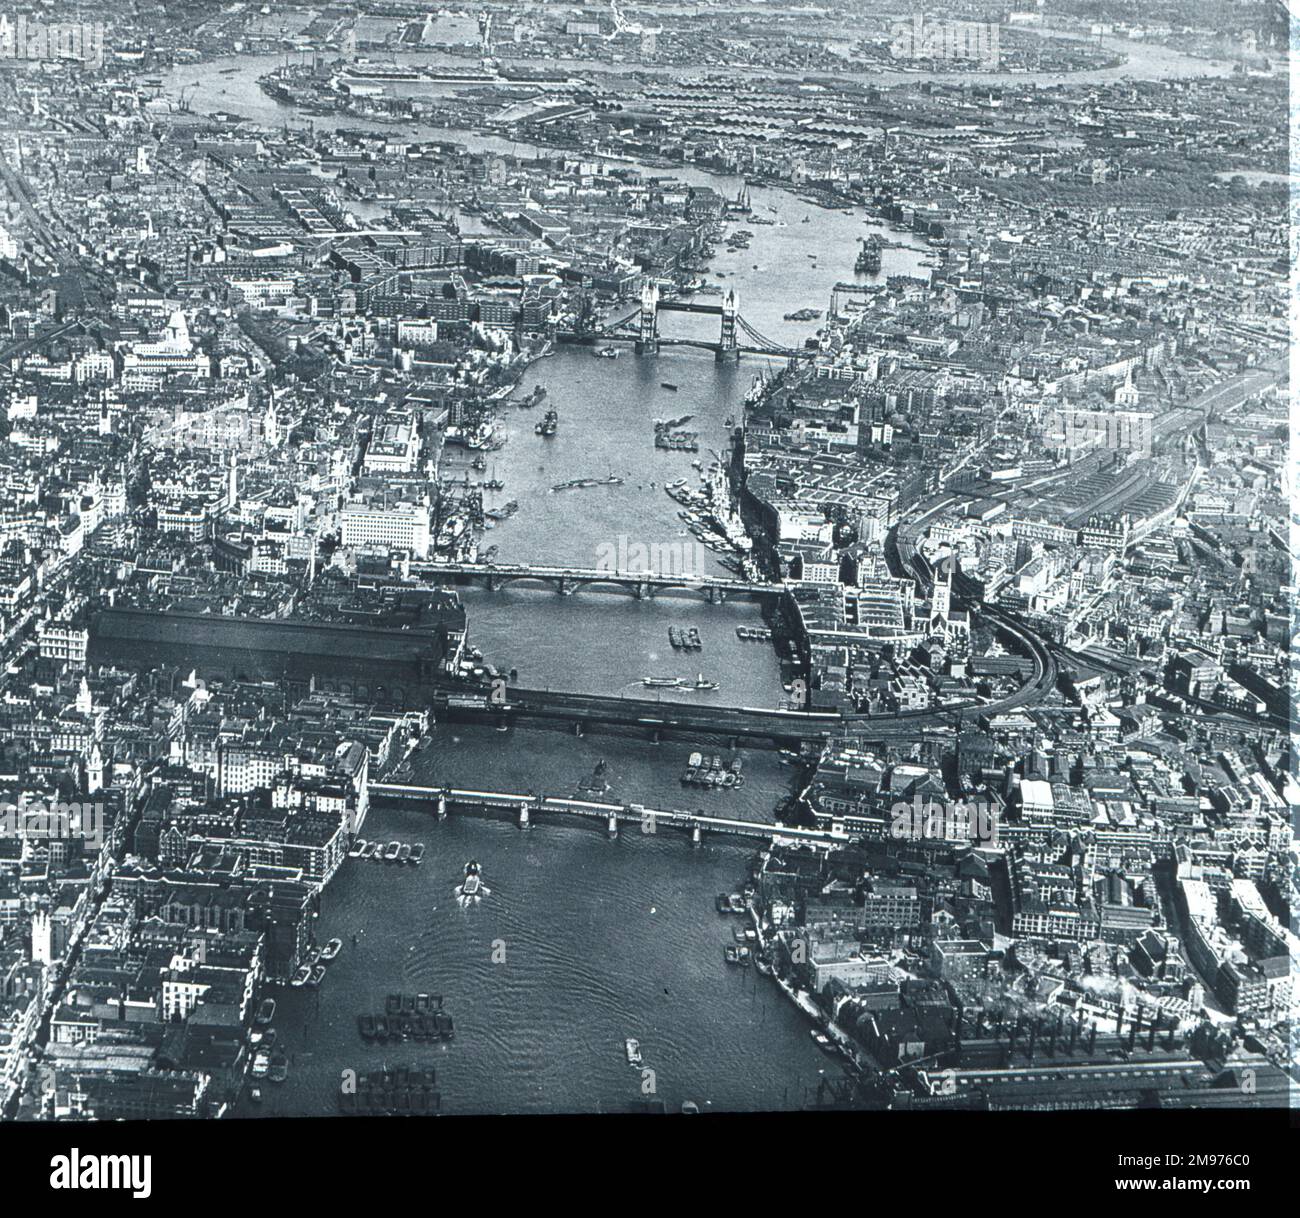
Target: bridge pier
[
  {"x": 697, "y": 835},
  {"x": 613, "y": 824},
  {"x": 564, "y": 587},
  {"x": 491, "y": 583},
  {"x": 442, "y": 805},
  {"x": 523, "y": 815},
  {"x": 577, "y": 728},
  {"x": 641, "y": 590},
  {"x": 657, "y": 736},
  {"x": 726, "y": 350},
  {"x": 647, "y": 342},
  {"x": 717, "y": 596}
]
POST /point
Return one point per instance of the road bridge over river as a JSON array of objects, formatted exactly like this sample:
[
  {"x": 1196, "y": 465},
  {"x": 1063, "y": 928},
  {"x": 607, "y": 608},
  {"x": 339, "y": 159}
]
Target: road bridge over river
[{"x": 527, "y": 808}]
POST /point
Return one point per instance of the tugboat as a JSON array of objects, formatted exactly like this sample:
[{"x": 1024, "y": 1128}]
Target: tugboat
[
  {"x": 265, "y": 1012},
  {"x": 417, "y": 853},
  {"x": 472, "y": 882},
  {"x": 357, "y": 848},
  {"x": 279, "y": 1068},
  {"x": 549, "y": 425},
  {"x": 633, "y": 1050},
  {"x": 473, "y": 888},
  {"x": 330, "y": 950},
  {"x": 301, "y": 977}
]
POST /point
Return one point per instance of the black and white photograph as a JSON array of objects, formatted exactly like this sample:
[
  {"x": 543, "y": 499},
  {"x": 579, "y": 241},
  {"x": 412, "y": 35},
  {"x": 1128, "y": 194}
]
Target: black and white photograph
[{"x": 568, "y": 562}]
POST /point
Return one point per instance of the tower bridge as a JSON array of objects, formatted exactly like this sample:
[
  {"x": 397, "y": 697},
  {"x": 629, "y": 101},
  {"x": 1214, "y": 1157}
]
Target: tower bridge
[{"x": 736, "y": 337}]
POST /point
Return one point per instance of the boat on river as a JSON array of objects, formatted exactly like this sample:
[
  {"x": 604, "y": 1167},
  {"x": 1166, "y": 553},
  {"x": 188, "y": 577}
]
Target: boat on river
[
  {"x": 472, "y": 888},
  {"x": 868, "y": 260}
]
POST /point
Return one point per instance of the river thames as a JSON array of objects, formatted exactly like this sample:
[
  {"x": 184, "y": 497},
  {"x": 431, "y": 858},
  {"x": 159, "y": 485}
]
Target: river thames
[{"x": 583, "y": 941}]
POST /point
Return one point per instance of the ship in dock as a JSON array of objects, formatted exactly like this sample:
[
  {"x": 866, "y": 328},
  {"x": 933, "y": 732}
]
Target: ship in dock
[{"x": 868, "y": 261}]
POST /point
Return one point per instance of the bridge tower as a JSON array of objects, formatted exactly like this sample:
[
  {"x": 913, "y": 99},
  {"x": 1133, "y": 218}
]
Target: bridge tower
[
  {"x": 727, "y": 349},
  {"x": 647, "y": 342}
]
